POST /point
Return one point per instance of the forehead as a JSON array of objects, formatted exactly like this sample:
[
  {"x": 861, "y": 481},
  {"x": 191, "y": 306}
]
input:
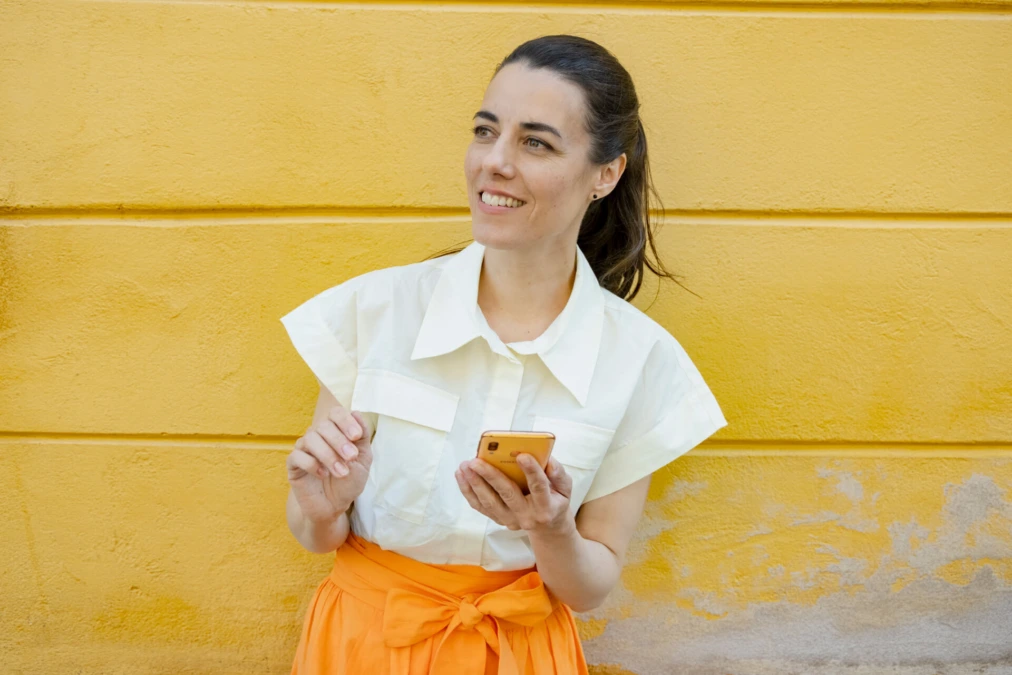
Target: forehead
[{"x": 520, "y": 94}]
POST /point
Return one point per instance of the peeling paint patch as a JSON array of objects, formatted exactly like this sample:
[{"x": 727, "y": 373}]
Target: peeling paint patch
[
  {"x": 723, "y": 582},
  {"x": 926, "y": 622},
  {"x": 847, "y": 483}
]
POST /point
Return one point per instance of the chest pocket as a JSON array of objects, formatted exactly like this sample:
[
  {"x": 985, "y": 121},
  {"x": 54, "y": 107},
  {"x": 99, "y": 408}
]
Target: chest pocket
[
  {"x": 413, "y": 420},
  {"x": 580, "y": 448}
]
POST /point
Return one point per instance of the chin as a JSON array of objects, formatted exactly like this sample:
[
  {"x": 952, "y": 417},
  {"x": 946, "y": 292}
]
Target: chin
[{"x": 497, "y": 236}]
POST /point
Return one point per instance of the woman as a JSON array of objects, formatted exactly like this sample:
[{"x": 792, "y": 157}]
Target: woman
[{"x": 443, "y": 564}]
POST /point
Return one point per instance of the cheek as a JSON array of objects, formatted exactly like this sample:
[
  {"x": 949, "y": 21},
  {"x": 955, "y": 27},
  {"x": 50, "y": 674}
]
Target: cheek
[
  {"x": 555, "y": 192},
  {"x": 472, "y": 163}
]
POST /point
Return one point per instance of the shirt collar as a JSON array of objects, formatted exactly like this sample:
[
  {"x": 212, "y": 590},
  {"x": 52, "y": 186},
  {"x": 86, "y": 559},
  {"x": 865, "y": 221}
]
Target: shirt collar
[{"x": 568, "y": 348}]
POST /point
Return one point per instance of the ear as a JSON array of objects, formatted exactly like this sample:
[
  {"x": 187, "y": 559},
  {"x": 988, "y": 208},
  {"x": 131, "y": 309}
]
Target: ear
[{"x": 608, "y": 175}]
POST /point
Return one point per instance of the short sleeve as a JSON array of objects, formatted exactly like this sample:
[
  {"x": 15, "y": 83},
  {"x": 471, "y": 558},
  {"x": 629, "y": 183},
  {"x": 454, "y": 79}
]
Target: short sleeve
[
  {"x": 323, "y": 331},
  {"x": 671, "y": 411}
]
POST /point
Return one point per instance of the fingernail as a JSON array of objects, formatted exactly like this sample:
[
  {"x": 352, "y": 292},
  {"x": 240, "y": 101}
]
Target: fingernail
[
  {"x": 340, "y": 469},
  {"x": 348, "y": 451},
  {"x": 356, "y": 431}
]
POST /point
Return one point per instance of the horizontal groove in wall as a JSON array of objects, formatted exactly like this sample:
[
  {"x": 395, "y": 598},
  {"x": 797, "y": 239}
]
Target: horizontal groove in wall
[
  {"x": 918, "y": 450},
  {"x": 765, "y": 448},
  {"x": 714, "y": 7},
  {"x": 170, "y": 218}
]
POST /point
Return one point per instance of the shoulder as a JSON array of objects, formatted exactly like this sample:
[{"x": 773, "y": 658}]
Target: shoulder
[
  {"x": 651, "y": 348},
  {"x": 634, "y": 330},
  {"x": 371, "y": 295},
  {"x": 398, "y": 275},
  {"x": 387, "y": 283}
]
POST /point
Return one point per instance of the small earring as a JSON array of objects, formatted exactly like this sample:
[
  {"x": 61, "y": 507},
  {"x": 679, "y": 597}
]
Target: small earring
[{"x": 595, "y": 196}]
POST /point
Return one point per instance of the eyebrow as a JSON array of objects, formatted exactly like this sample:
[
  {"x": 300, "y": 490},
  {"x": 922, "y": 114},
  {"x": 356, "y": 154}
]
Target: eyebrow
[{"x": 530, "y": 126}]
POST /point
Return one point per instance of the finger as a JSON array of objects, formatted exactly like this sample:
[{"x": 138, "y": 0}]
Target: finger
[
  {"x": 561, "y": 481},
  {"x": 324, "y": 454},
  {"x": 336, "y": 440},
  {"x": 365, "y": 444},
  {"x": 508, "y": 491},
  {"x": 301, "y": 446},
  {"x": 364, "y": 422},
  {"x": 303, "y": 461},
  {"x": 465, "y": 489},
  {"x": 348, "y": 425},
  {"x": 537, "y": 482},
  {"x": 489, "y": 498}
]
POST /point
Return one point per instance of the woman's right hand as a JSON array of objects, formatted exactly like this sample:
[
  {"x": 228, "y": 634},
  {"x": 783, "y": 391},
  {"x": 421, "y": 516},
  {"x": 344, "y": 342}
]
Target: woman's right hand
[{"x": 329, "y": 465}]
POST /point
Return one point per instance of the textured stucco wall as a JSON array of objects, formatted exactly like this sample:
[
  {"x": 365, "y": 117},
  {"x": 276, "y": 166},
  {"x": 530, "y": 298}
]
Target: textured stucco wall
[{"x": 174, "y": 176}]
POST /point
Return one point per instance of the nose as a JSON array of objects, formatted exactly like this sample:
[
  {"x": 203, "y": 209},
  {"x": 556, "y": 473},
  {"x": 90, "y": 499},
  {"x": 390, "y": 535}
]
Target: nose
[{"x": 499, "y": 159}]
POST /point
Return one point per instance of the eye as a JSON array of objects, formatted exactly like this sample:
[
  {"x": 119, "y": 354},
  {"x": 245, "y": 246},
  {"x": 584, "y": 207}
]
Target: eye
[
  {"x": 478, "y": 131},
  {"x": 540, "y": 143}
]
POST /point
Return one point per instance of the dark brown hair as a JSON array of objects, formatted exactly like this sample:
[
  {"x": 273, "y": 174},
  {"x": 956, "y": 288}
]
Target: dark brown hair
[{"x": 616, "y": 232}]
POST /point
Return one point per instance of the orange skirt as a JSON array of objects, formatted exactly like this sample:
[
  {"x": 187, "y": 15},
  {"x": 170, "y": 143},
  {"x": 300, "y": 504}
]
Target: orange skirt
[{"x": 380, "y": 612}]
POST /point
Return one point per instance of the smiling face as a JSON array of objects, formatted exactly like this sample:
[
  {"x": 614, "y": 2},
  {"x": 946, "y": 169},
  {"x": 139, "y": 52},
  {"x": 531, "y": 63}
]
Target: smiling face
[{"x": 530, "y": 147}]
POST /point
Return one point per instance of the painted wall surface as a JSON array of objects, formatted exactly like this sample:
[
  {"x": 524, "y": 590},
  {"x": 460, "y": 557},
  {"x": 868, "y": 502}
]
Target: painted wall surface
[{"x": 176, "y": 175}]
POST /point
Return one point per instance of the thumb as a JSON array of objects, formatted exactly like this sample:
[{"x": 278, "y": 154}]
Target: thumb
[
  {"x": 364, "y": 444},
  {"x": 366, "y": 421},
  {"x": 561, "y": 481}
]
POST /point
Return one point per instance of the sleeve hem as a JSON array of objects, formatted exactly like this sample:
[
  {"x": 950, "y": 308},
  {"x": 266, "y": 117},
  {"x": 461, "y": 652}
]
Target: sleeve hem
[
  {"x": 321, "y": 351},
  {"x": 678, "y": 433}
]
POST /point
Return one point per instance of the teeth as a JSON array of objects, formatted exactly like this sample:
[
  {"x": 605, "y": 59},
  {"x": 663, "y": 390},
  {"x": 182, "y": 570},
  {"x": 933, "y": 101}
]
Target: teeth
[{"x": 495, "y": 200}]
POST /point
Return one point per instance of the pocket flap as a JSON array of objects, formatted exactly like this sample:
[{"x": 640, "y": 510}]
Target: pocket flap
[
  {"x": 388, "y": 393},
  {"x": 576, "y": 444}
]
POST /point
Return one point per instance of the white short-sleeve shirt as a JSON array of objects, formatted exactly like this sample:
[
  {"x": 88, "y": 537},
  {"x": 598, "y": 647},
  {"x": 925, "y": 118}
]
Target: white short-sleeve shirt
[{"x": 410, "y": 347}]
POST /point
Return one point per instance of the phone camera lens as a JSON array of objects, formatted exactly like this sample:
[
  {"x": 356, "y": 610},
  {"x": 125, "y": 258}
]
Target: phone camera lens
[{"x": 493, "y": 446}]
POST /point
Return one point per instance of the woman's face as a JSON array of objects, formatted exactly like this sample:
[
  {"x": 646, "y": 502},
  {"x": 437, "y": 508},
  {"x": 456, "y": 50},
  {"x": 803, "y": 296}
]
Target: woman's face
[{"x": 530, "y": 144}]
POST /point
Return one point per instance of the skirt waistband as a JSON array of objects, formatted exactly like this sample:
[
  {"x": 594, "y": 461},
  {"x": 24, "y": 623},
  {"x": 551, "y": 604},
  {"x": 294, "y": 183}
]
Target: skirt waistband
[{"x": 361, "y": 565}]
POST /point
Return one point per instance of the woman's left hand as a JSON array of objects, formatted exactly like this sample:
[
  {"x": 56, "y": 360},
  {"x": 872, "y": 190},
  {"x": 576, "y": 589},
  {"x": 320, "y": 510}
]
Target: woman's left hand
[{"x": 489, "y": 491}]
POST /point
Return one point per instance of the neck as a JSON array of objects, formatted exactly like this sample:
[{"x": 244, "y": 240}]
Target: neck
[{"x": 521, "y": 292}]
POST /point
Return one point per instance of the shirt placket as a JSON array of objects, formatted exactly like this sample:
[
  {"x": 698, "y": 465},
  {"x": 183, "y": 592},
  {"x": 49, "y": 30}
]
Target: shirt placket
[{"x": 500, "y": 408}]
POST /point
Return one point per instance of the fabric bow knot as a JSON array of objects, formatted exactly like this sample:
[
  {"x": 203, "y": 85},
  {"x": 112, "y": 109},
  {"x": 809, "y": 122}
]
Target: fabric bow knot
[
  {"x": 470, "y": 616},
  {"x": 412, "y": 616}
]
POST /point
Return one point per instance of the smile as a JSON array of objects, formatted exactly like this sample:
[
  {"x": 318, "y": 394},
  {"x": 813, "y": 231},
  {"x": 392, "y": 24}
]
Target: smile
[{"x": 496, "y": 200}]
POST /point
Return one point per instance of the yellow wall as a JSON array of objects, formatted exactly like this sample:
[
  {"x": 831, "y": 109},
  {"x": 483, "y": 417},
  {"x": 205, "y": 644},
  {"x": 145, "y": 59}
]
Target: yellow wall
[{"x": 174, "y": 176}]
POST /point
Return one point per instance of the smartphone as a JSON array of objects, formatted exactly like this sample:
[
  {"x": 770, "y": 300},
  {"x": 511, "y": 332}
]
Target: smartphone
[{"x": 501, "y": 448}]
